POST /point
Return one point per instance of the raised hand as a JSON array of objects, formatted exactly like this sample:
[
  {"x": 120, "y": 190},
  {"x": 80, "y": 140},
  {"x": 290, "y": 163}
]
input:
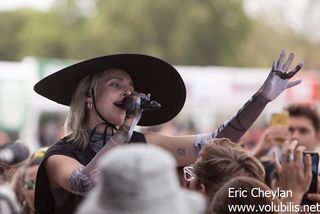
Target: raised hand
[
  {"x": 278, "y": 79},
  {"x": 294, "y": 173},
  {"x": 272, "y": 136}
]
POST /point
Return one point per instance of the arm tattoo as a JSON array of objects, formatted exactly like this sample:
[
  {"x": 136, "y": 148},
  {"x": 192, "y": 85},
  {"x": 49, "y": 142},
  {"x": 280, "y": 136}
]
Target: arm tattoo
[
  {"x": 80, "y": 182},
  {"x": 83, "y": 178}
]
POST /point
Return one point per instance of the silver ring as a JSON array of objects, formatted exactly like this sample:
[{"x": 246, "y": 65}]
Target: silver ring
[{"x": 291, "y": 157}]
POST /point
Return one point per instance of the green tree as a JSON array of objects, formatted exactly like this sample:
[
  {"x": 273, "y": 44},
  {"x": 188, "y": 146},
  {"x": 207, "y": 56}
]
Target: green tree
[
  {"x": 187, "y": 32},
  {"x": 10, "y": 23},
  {"x": 264, "y": 43},
  {"x": 183, "y": 31}
]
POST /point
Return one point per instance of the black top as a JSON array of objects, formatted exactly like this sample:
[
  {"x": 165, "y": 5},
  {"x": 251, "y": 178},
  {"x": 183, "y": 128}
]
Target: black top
[{"x": 44, "y": 201}]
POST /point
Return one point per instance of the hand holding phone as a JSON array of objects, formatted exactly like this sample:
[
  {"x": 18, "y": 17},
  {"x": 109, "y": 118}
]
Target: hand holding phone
[
  {"x": 314, "y": 182},
  {"x": 279, "y": 122},
  {"x": 297, "y": 173},
  {"x": 279, "y": 119}
]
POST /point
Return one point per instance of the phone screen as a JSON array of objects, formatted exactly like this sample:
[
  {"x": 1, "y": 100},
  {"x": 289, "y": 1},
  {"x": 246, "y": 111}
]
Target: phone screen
[
  {"x": 279, "y": 119},
  {"x": 313, "y": 186}
]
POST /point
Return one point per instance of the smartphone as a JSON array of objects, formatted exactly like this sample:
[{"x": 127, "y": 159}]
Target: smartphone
[
  {"x": 314, "y": 182},
  {"x": 279, "y": 119}
]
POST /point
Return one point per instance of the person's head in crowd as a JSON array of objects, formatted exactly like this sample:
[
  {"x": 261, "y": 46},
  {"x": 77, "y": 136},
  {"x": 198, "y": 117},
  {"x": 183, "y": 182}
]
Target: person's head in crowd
[
  {"x": 221, "y": 160},
  {"x": 95, "y": 94},
  {"x": 304, "y": 125},
  {"x": 141, "y": 179},
  {"x": 24, "y": 181},
  {"x": 227, "y": 196},
  {"x": 12, "y": 156}
]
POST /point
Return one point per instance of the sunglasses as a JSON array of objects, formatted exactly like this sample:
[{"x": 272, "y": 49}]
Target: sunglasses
[
  {"x": 188, "y": 173},
  {"x": 29, "y": 184}
]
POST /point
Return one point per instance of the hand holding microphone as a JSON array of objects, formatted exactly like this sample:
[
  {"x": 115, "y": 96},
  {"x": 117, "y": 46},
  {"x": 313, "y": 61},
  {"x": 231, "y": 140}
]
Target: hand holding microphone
[
  {"x": 134, "y": 104},
  {"x": 139, "y": 102}
]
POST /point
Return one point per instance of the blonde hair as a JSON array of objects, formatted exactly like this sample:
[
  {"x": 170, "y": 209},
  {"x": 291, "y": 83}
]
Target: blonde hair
[
  {"x": 221, "y": 160},
  {"x": 74, "y": 125}
]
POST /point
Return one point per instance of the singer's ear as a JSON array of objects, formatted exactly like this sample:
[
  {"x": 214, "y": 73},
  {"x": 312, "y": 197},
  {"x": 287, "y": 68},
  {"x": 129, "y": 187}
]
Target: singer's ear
[{"x": 89, "y": 94}]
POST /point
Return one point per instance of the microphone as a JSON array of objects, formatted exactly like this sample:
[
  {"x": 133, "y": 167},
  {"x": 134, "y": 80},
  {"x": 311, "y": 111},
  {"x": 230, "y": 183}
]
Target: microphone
[
  {"x": 129, "y": 103},
  {"x": 148, "y": 105},
  {"x": 13, "y": 153}
]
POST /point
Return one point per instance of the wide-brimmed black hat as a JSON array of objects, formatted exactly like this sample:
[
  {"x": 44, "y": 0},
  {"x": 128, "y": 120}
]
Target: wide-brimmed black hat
[{"x": 149, "y": 75}]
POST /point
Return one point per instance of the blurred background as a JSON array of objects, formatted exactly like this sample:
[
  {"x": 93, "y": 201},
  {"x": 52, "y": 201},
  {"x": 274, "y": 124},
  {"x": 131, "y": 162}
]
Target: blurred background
[{"x": 223, "y": 49}]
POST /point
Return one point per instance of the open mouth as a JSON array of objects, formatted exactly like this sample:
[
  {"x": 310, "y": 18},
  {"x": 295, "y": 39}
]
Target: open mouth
[{"x": 119, "y": 104}]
